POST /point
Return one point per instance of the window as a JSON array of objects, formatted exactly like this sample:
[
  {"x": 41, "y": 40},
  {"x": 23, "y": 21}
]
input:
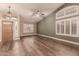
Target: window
[
  {"x": 67, "y": 12},
  {"x": 68, "y": 21},
  {"x": 68, "y": 27},
  {"x": 62, "y": 27},
  {"x": 58, "y": 27},
  {"x": 74, "y": 27},
  {"x": 71, "y": 10},
  {"x": 28, "y": 28}
]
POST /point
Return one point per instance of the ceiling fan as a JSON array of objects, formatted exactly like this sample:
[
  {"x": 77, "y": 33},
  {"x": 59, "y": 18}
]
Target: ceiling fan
[{"x": 38, "y": 13}]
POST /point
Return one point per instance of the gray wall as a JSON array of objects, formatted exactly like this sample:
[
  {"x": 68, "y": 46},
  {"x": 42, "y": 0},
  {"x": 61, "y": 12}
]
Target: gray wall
[{"x": 47, "y": 25}]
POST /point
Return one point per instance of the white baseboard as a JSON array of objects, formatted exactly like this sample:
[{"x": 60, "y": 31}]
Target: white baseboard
[
  {"x": 59, "y": 39},
  {"x": 28, "y": 34}
]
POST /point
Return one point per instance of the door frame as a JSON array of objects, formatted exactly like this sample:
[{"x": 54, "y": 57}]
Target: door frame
[{"x": 12, "y": 28}]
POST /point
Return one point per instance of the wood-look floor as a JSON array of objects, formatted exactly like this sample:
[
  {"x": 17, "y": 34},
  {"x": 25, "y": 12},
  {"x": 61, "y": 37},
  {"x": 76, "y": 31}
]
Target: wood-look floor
[{"x": 37, "y": 46}]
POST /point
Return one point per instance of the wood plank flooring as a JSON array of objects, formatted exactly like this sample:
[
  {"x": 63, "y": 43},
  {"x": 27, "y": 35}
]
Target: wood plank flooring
[{"x": 38, "y": 46}]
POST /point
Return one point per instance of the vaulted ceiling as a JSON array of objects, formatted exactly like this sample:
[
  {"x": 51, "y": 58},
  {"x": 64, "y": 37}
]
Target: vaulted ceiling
[{"x": 25, "y": 10}]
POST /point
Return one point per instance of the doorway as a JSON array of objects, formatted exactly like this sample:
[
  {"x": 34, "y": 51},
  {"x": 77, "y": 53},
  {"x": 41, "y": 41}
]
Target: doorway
[{"x": 7, "y": 32}]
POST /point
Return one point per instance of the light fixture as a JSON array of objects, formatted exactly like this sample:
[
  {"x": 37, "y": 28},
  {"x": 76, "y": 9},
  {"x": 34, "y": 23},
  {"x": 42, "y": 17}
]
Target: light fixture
[
  {"x": 9, "y": 14},
  {"x": 38, "y": 14}
]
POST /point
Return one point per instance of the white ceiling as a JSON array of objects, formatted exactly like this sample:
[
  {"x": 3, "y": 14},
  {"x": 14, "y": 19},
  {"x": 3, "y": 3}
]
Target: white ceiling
[{"x": 25, "y": 10}]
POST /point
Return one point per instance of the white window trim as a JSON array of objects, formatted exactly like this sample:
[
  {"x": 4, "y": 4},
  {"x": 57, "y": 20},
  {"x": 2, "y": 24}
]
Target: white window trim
[
  {"x": 25, "y": 28},
  {"x": 69, "y": 19},
  {"x": 64, "y": 11}
]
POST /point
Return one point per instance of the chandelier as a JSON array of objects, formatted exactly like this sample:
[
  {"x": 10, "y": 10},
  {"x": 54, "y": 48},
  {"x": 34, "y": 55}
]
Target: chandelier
[{"x": 9, "y": 14}]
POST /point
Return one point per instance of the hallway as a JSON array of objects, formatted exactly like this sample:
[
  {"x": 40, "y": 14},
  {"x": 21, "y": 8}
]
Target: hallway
[{"x": 38, "y": 46}]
